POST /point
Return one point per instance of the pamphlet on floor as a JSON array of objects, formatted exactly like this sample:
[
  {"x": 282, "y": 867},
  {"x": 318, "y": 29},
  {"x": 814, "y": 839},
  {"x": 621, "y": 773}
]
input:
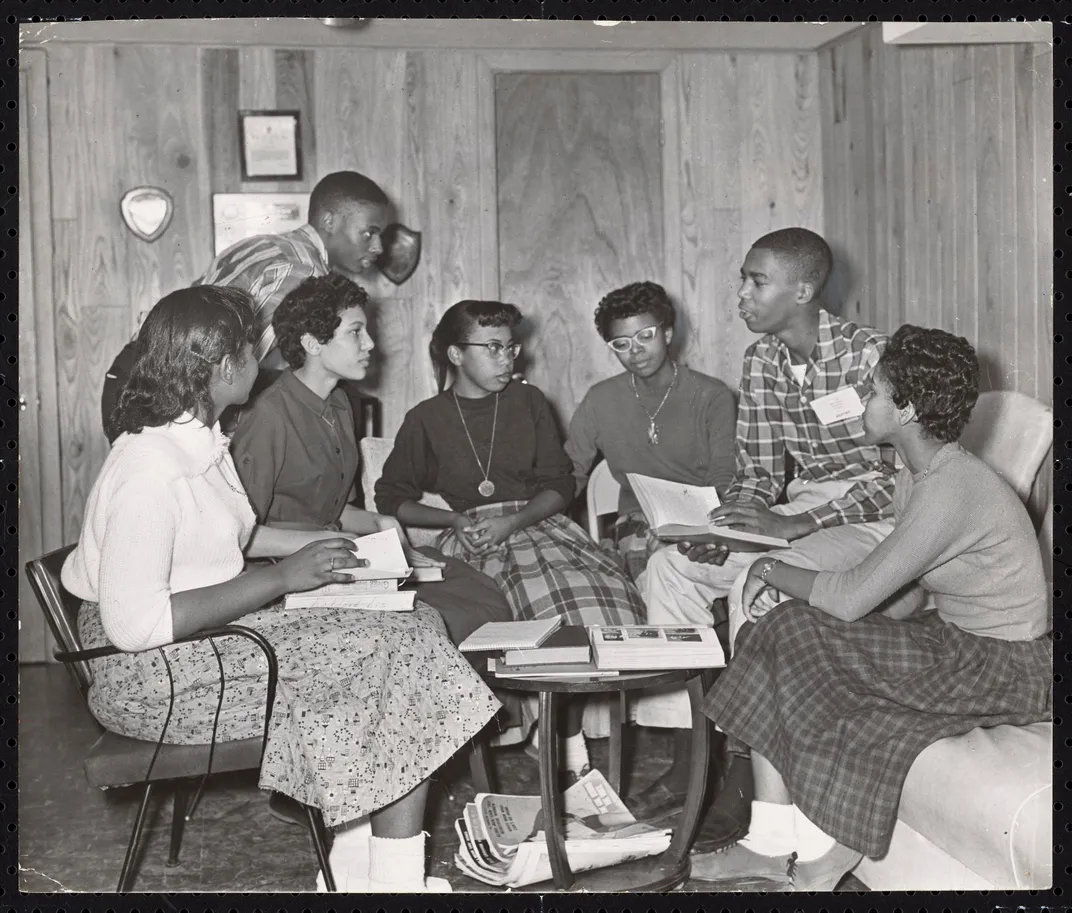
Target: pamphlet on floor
[
  {"x": 654, "y": 647},
  {"x": 678, "y": 512},
  {"x": 502, "y": 839}
]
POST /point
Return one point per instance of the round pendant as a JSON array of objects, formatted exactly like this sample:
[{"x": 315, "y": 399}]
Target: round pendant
[{"x": 486, "y": 488}]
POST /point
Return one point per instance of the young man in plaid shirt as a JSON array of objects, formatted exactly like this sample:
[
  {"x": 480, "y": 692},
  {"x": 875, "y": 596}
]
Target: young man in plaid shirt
[{"x": 838, "y": 507}]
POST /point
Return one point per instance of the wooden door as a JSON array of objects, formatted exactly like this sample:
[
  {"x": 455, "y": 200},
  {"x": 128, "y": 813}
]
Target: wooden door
[
  {"x": 580, "y": 212},
  {"x": 40, "y": 526}
]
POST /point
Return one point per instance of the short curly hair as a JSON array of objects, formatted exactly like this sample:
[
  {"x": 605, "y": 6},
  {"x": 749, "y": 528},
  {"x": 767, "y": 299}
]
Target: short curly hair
[
  {"x": 936, "y": 372},
  {"x": 632, "y": 300},
  {"x": 314, "y": 307},
  {"x": 805, "y": 254}
]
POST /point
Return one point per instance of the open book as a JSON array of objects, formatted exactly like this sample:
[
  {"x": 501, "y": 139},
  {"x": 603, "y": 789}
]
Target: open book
[{"x": 678, "y": 512}]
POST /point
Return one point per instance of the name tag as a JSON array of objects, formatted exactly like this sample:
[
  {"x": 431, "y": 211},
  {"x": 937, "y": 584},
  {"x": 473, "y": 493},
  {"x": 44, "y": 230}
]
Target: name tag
[{"x": 838, "y": 407}]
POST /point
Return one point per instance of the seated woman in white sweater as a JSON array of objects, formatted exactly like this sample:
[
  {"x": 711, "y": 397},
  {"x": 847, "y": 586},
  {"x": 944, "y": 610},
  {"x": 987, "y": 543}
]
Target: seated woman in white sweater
[
  {"x": 369, "y": 705},
  {"x": 939, "y": 630}
]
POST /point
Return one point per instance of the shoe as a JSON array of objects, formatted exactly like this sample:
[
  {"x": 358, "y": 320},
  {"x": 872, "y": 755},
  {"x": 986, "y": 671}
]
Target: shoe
[
  {"x": 718, "y": 832},
  {"x": 739, "y": 863},
  {"x": 290, "y": 811},
  {"x": 824, "y": 873},
  {"x": 655, "y": 802},
  {"x": 727, "y": 820},
  {"x": 572, "y": 776}
]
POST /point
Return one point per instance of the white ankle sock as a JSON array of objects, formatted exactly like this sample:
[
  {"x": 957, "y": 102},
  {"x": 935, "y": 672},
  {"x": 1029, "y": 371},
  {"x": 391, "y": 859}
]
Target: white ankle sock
[
  {"x": 811, "y": 841},
  {"x": 772, "y": 831},
  {"x": 349, "y": 856},
  {"x": 575, "y": 752},
  {"x": 396, "y": 863}
]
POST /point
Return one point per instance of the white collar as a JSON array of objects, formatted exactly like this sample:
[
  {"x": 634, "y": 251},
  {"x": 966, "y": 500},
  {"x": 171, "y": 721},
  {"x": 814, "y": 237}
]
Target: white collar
[{"x": 200, "y": 446}]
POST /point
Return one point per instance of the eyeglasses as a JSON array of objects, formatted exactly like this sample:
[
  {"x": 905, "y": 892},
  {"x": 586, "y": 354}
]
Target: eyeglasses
[
  {"x": 644, "y": 336},
  {"x": 496, "y": 349}
]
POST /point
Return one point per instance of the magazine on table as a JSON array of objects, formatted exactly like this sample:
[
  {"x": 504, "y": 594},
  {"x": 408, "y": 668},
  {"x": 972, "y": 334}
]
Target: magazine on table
[
  {"x": 654, "y": 647},
  {"x": 501, "y": 838}
]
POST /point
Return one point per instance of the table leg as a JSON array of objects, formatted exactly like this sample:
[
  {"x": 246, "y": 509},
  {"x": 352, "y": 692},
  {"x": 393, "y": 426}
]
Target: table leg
[
  {"x": 617, "y": 720},
  {"x": 697, "y": 788},
  {"x": 550, "y": 793}
]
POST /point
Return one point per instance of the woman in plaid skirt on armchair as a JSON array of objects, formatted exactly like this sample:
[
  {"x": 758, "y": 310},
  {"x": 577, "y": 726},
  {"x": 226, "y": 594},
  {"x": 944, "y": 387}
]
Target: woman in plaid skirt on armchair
[{"x": 844, "y": 678}]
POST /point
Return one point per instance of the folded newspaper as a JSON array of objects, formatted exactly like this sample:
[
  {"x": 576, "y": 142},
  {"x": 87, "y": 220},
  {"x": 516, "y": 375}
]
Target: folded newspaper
[{"x": 502, "y": 840}]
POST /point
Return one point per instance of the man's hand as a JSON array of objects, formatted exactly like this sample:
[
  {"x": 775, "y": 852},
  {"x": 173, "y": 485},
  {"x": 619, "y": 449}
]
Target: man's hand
[
  {"x": 753, "y": 517},
  {"x": 705, "y": 552}
]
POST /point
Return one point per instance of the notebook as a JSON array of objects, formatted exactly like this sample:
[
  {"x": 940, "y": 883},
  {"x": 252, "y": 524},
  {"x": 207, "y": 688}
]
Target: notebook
[
  {"x": 343, "y": 596},
  {"x": 510, "y": 635}
]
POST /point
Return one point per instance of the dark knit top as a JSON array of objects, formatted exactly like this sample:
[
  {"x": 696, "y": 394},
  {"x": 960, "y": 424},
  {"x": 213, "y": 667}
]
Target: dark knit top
[{"x": 433, "y": 454}]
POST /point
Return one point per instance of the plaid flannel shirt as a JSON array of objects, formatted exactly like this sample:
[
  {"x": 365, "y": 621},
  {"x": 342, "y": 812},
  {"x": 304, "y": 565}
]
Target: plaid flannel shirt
[
  {"x": 774, "y": 417},
  {"x": 268, "y": 267}
]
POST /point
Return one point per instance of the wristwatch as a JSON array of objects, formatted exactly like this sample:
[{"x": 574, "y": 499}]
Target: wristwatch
[{"x": 768, "y": 566}]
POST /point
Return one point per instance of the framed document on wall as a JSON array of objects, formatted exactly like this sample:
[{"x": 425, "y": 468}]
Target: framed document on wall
[{"x": 271, "y": 150}]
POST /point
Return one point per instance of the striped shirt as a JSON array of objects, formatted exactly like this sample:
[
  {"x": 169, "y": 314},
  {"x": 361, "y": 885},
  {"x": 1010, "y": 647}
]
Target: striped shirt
[
  {"x": 268, "y": 267},
  {"x": 774, "y": 417}
]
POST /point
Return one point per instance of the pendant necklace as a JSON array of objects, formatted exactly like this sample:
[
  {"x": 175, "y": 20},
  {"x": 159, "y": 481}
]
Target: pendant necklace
[
  {"x": 653, "y": 428},
  {"x": 487, "y": 487}
]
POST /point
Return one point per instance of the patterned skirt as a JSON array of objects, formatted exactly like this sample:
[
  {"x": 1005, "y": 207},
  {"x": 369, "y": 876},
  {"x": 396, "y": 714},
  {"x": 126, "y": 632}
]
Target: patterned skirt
[
  {"x": 843, "y": 709},
  {"x": 553, "y": 568},
  {"x": 368, "y": 704}
]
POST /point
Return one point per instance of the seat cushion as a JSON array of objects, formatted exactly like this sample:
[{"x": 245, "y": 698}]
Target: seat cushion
[
  {"x": 115, "y": 760},
  {"x": 985, "y": 798}
]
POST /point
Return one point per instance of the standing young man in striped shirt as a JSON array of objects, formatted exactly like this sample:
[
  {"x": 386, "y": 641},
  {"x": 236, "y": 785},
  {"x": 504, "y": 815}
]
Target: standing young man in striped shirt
[
  {"x": 838, "y": 507},
  {"x": 347, "y": 212}
]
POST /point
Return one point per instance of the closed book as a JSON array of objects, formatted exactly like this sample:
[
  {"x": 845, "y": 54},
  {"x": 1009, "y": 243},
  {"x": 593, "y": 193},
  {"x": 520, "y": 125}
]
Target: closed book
[
  {"x": 343, "y": 598},
  {"x": 652, "y": 647},
  {"x": 569, "y": 644},
  {"x": 737, "y": 539},
  {"x": 551, "y": 670},
  {"x": 510, "y": 635}
]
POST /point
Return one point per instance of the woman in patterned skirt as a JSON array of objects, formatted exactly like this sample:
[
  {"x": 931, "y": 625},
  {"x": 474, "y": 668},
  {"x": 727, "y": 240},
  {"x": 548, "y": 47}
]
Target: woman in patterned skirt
[
  {"x": 489, "y": 446},
  {"x": 835, "y": 699},
  {"x": 369, "y": 705}
]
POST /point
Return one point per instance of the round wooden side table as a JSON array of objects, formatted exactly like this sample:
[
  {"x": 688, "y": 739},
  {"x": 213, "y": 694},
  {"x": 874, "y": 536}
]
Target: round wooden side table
[{"x": 654, "y": 873}]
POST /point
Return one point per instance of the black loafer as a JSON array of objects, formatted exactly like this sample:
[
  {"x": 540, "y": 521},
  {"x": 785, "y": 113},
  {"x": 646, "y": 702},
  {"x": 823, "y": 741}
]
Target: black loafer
[
  {"x": 290, "y": 811},
  {"x": 717, "y": 832},
  {"x": 655, "y": 802}
]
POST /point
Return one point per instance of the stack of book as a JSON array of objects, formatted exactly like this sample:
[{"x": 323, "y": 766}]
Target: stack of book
[
  {"x": 501, "y": 838},
  {"x": 545, "y": 648},
  {"x": 636, "y": 648},
  {"x": 380, "y": 587}
]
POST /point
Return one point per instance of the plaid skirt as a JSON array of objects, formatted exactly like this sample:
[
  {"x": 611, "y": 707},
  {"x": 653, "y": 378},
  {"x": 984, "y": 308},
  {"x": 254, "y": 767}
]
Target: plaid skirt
[
  {"x": 843, "y": 709},
  {"x": 553, "y": 568}
]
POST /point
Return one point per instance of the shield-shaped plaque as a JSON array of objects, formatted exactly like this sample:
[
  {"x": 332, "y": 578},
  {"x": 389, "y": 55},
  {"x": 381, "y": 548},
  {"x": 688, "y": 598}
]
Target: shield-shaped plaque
[
  {"x": 401, "y": 252},
  {"x": 147, "y": 211}
]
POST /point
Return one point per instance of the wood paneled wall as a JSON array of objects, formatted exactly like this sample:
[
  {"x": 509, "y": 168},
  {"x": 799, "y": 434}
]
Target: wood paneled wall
[
  {"x": 940, "y": 197},
  {"x": 741, "y": 144},
  {"x": 940, "y": 194}
]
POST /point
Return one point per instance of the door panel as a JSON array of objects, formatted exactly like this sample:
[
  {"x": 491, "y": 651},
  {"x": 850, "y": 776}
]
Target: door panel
[{"x": 579, "y": 171}]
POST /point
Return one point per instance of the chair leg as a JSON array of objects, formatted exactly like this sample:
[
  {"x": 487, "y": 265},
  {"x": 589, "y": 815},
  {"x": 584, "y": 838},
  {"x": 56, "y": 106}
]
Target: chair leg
[
  {"x": 320, "y": 844},
  {"x": 179, "y": 798},
  {"x": 126, "y": 876},
  {"x": 480, "y": 766}
]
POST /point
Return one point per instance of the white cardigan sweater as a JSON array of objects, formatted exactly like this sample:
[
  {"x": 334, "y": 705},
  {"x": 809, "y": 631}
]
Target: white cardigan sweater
[{"x": 166, "y": 514}]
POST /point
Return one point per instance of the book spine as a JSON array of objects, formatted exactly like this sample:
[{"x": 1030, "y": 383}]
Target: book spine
[{"x": 383, "y": 585}]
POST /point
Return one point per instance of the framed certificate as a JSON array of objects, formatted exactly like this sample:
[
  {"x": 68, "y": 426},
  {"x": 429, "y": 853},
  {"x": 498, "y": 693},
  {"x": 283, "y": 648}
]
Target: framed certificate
[{"x": 270, "y": 145}]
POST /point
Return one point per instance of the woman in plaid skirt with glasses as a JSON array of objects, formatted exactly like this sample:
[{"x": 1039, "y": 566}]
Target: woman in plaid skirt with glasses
[{"x": 941, "y": 629}]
